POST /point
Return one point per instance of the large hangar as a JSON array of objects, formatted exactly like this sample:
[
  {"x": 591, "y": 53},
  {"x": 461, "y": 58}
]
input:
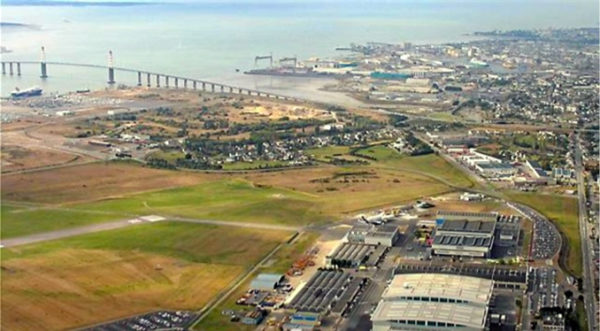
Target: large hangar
[
  {"x": 433, "y": 302},
  {"x": 464, "y": 234}
]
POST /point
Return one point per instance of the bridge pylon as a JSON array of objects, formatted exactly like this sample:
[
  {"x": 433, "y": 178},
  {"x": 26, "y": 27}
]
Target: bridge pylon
[
  {"x": 111, "y": 69},
  {"x": 43, "y": 68}
]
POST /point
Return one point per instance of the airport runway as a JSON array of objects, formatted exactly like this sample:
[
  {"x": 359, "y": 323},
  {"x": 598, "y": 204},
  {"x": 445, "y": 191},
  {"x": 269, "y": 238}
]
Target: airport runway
[{"x": 59, "y": 234}]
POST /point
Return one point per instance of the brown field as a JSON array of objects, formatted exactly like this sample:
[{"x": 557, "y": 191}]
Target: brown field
[
  {"x": 344, "y": 191},
  {"x": 94, "y": 181},
  {"x": 24, "y": 148},
  {"x": 16, "y": 158},
  {"x": 451, "y": 202},
  {"x": 77, "y": 287},
  {"x": 92, "y": 278}
]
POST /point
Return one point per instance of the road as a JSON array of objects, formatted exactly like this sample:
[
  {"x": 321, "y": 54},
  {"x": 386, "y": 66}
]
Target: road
[
  {"x": 59, "y": 234},
  {"x": 588, "y": 276}
]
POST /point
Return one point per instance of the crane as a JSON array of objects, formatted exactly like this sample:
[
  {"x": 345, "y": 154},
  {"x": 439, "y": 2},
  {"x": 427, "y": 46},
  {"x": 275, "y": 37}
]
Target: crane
[
  {"x": 289, "y": 59},
  {"x": 264, "y": 57}
]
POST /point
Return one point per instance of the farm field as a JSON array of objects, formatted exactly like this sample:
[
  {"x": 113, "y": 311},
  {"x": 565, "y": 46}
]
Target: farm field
[
  {"x": 563, "y": 211},
  {"x": 106, "y": 275}
]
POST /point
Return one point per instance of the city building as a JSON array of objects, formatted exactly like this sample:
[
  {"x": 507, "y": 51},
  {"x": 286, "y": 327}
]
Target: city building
[{"x": 434, "y": 302}]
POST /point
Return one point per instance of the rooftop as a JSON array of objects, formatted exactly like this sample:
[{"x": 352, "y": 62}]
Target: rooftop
[
  {"x": 472, "y": 289},
  {"x": 495, "y": 165},
  {"x": 465, "y": 241},
  {"x": 463, "y": 215},
  {"x": 265, "y": 281},
  {"x": 470, "y": 316},
  {"x": 459, "y": 300},
  {"x": 467, "y": 226}
]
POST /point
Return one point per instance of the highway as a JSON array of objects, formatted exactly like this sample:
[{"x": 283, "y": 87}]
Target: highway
[{"x": 588, "y": 280}]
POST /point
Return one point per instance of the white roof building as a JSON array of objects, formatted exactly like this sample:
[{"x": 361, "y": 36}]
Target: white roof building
[{"x": 433, "y": 301}]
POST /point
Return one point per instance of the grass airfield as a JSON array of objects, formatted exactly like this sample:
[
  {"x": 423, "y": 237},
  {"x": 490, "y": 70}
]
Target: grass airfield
[
  {"x": 69, "y": 282},
  {"x": 106, "y": 275}
]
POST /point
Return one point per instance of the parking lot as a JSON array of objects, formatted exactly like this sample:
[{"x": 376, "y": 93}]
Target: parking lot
[
  {"x": 173, "y": 320},
  {"x": 544, "y": 290},
  {"x": 546, "y": 239}
]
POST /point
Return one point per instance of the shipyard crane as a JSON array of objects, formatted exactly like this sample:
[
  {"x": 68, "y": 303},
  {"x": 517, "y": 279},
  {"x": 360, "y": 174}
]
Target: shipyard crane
[
  {"x": 289, "y": 59},
  {"x": 265, "y": 57}
]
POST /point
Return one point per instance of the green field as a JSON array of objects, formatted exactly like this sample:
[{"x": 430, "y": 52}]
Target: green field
[
  {"x": 430, "y": 164},
  {"x": 17, "y": 222},
  {"x": 326, "y": 154},
  {"x": 562, "y": 211},
  {"x": 259, "y": 164},
  {"x": 311, "y": 198},
  {"x": 193, "y": 242},
  {"x": 229, "y": 200}
]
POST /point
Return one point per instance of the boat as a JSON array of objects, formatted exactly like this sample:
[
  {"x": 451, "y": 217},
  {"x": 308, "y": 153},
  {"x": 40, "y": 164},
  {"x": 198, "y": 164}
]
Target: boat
[{"x": 30, "y": 92}]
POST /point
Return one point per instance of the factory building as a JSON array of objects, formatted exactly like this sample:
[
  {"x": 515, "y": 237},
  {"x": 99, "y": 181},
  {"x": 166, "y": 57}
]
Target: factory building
[
  {"x": 350, "y": 255},
  {"x": 433, "y": 302},
  {"x": 385, "y": 235},
  {"x": 495, "y": 169},
  {"x": 464, "y": 234},
  {"x": 266, "y": 282},
  {"x": 459, "y": 215},
  {"x": 321, "y": 291}
]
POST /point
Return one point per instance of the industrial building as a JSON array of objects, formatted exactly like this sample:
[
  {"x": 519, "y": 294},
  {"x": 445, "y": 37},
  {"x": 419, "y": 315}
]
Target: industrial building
[
  {"x": 464, "y": 234},
  {"x": 433, "y": 302},
  {"x": 266, "y": 282},
  {"x": 459, "y": 215},
  {"x": 303, "y": 321},
  {"x": 321, "y": 291},
  {"x": 385, "y": 235},
  {"x": 495, "y": 169},
  {"x": 350, "y": 255}
]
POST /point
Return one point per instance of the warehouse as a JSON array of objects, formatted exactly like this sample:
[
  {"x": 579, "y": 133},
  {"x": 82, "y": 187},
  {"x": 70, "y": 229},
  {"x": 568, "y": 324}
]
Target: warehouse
[
  {"x": 385, "y": 235},
  {"x": 434, "y": 302},
  {"x": 350, "y": 255},
  {"x": 266, "y": 282},
  {"x": 321, "y": 291},
  {"x": 464, "y": 234},
  {"x": 495, "y": 169}
]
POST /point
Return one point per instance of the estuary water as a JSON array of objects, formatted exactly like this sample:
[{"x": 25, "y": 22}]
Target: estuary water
[{"x": 210, "y": 40}]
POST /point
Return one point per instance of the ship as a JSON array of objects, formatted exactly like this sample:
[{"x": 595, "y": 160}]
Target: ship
[{"x": 30, "y": 92}]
